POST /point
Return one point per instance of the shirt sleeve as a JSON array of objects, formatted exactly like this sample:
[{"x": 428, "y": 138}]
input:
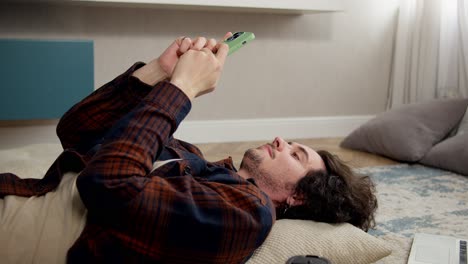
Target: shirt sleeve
[
  {"x": 222, "y": 220},
  {"x": 86, "y": 123},
  {"x": 118, "y": 171}
]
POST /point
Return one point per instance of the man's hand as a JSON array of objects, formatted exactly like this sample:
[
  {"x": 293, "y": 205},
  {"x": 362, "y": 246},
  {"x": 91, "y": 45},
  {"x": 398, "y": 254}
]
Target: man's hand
[
  {"x": 170, "y": 56},
  {"x": 198, "y": 72},
  {"x": 162, "y": 68}
]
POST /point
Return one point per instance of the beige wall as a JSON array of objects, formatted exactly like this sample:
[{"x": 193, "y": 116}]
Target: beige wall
[{"x": 323, "y": 64}]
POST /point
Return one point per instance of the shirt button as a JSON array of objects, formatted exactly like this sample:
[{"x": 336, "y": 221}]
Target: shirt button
[{"x": 187, "y": 170}]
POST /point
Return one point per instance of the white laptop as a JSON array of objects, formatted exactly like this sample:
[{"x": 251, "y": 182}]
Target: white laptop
[{"x": 437, "y": 249}]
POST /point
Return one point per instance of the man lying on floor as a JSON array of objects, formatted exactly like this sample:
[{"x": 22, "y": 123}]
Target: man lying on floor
[{"x": 141, "y": 195}]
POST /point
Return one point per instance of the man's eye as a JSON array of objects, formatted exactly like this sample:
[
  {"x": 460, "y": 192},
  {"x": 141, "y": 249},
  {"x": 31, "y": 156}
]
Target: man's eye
[{"x": 295, "y": 155}]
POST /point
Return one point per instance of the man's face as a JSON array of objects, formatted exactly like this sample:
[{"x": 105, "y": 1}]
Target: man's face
[{"x": 278, "y": 166}]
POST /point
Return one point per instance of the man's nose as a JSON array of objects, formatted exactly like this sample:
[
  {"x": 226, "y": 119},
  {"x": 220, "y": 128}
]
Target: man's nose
[{"x": 279, "y": 143}]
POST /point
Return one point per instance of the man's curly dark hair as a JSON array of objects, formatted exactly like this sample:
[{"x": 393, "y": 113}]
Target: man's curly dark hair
[{"x": 336, "y": 195}]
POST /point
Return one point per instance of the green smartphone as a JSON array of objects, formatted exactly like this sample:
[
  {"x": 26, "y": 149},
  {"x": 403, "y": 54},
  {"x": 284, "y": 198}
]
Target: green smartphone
[{"x": 238, "y": 40}]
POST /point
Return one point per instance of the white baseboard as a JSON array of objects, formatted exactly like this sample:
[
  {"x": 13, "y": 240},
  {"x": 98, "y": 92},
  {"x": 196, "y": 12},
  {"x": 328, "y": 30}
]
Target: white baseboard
[
  {"x": 215, "y": 131},
  {"x": 266, "y": 129}
]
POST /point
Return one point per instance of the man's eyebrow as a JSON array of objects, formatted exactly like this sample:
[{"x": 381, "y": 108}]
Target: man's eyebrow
[{"x": 305, "y": 153}]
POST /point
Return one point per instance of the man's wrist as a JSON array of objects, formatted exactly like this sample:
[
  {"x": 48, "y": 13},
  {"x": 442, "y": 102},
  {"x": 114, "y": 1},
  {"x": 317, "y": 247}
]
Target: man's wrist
[
  {"x": 179, "y": 83},
  {"x": 151, "y": 73}
]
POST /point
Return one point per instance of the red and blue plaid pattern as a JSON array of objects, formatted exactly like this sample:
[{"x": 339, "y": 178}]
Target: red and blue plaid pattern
[{"x": 187, "y": 211}]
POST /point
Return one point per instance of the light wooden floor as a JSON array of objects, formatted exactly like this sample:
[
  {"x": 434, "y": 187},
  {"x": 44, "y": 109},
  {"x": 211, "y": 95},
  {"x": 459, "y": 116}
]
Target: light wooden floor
[{"x": 355, "y": 159}]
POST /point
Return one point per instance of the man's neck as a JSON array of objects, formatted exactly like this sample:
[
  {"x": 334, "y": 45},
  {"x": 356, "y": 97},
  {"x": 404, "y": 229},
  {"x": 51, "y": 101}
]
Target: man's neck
[{"x": 244, "y": 174}]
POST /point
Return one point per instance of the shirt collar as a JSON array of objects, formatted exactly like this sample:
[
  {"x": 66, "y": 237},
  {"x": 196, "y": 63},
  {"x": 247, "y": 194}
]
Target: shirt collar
[{"x": 251, "y": 180}]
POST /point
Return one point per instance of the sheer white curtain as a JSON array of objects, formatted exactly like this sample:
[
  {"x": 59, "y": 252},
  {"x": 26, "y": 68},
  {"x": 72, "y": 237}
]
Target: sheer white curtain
[{"x": 431, "y": 52}]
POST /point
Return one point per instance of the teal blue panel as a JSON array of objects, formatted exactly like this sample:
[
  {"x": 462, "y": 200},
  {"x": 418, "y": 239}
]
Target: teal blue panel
[{"x": 42, "y": 79}]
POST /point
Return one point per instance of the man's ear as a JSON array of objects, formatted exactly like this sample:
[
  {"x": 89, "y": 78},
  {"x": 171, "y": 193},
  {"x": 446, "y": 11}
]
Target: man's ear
[{"x": 293, "y": 200}]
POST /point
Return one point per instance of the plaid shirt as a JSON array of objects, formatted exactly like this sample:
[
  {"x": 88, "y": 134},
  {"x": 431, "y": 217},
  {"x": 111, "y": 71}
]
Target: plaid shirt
[{"x": 187, "y": 211}]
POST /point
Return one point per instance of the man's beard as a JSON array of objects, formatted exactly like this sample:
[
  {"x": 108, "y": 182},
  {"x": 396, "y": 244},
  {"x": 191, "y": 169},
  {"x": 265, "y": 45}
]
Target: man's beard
[
  {"x": 251, "y": 163},
  {"x": 251, "y": 160}
]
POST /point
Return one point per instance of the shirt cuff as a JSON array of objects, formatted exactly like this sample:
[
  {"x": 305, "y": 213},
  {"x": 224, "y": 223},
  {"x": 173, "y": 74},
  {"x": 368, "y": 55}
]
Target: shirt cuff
[
  {"x": 136, "y": 87},
  {"x": 170, "y": 100}
]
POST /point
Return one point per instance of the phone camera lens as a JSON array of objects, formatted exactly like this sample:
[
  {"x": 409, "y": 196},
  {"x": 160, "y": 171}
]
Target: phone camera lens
[
  {"x": 237, "y": 34},
  {"x": 233, "y": 37}
]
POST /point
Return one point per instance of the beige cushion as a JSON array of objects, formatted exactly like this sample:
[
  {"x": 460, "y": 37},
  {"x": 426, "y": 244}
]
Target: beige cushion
[{"x": 341, "y": 243}]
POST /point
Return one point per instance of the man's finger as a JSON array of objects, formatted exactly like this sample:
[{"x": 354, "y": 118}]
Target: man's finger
[
  {"x": 185, "y": 45},
  {"x": 199, "y": 43},
  {"x": 180, "y": 39},
  {"x": 174, "y": 47},
  {"x": 222, "y": 53},
  {"x": 227, "y": 35},
  {"x": 211, "y": 44}
]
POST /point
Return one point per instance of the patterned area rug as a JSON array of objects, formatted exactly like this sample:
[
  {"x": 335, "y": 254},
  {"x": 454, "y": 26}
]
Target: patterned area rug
[{"x": 417, "y": 199}]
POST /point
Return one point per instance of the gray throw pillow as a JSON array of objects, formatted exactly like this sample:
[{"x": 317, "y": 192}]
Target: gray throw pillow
[
  {"x": 463, "y": 127},
  {"x": 409, "y": 132},
  {"x": 450, "y": 154}
]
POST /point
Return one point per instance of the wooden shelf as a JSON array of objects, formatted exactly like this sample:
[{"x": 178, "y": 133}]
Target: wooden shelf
[{"x": 272, "y": 6}]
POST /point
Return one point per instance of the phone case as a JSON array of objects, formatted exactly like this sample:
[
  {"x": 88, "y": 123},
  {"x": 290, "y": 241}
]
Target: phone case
[{"x": 238, "y": 40}]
